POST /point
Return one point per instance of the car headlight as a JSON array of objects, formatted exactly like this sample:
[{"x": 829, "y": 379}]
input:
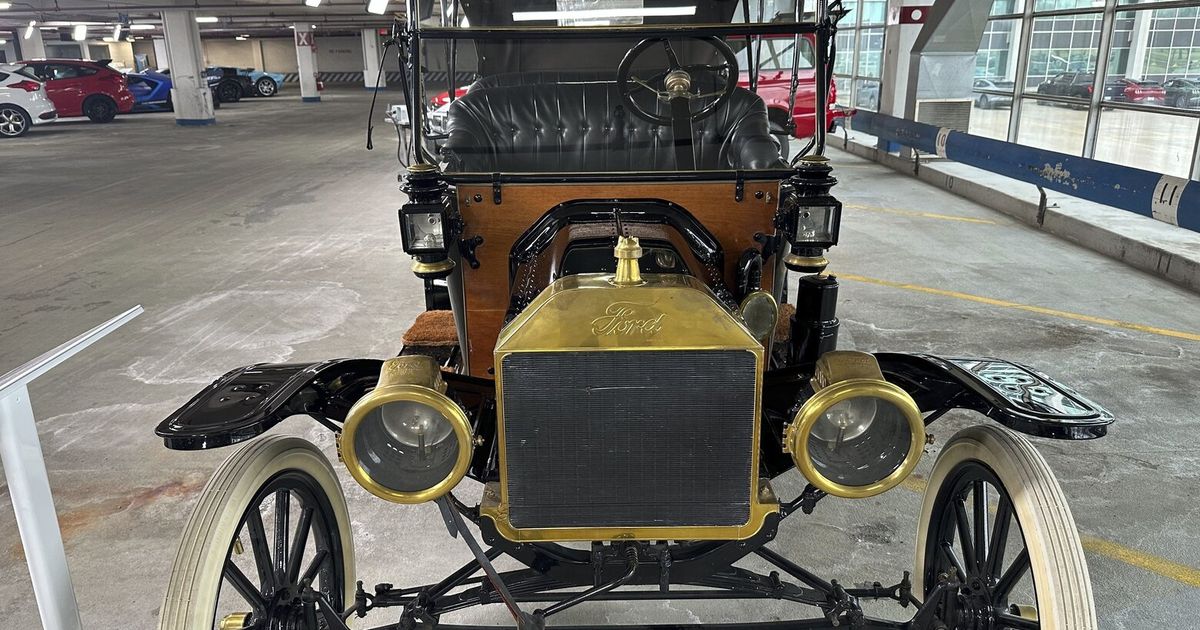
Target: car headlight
[
  {"x": 406, "y": 441},
  {"x": 856, "y": 435}
]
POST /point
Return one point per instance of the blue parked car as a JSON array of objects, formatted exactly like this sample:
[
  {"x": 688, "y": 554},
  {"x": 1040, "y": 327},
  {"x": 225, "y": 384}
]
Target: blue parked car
[
  {"x": 152, "y": 91},
  {"x": 265, "y": 83}
]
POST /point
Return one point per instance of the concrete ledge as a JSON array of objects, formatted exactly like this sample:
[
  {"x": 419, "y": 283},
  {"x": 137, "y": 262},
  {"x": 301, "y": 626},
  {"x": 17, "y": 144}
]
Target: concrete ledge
[
  {"x": 1164, "y": 250},
  {"x": 310, "y": 99},
  {"x": 195, "y": 122}
]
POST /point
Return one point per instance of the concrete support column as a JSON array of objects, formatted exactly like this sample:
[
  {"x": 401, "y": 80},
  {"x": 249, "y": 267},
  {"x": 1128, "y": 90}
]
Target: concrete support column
[
  {"x": 161, "y": 60},
  {"x": 189, "y": 93},
  {"x": 256, "y": 51},
  {"x": 306, "y": 62},
  {"x": 32, "y": 47},
  {"x": 1139, "y": 45},
  {"x": 370, "y": 46}
]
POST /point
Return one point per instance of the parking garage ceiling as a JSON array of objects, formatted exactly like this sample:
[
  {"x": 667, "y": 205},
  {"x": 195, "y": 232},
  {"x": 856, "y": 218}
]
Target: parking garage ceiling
[{"x": 219, "y": 18}]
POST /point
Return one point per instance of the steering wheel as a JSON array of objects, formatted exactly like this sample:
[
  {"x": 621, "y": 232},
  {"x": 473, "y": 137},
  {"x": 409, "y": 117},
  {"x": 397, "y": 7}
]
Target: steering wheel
[{"x": 676, "y": 82}]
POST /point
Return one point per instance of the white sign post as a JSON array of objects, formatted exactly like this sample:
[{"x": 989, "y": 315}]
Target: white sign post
[{"x": 29, "y": 487}]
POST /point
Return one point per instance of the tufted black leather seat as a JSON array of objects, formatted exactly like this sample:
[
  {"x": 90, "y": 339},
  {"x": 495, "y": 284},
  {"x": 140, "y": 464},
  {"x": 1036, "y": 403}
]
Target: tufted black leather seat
[{"x": 547, "y": 122}]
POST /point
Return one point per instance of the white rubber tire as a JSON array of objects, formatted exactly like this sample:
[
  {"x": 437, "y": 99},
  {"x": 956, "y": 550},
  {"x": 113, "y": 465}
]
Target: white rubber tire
[
  {"x": 192, "y": 590},
  {"x": 1057, "y": 563}
]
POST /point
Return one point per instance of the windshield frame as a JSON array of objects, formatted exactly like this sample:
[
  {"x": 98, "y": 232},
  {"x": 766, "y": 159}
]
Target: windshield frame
[{"x": 822, "y": 25}]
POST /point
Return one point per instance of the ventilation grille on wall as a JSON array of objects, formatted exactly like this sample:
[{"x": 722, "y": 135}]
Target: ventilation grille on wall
[{"x": 952, "y": 113}]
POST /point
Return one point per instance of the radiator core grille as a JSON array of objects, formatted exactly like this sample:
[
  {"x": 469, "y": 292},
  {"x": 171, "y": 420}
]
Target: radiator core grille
[{"x": 629, "y": 438}]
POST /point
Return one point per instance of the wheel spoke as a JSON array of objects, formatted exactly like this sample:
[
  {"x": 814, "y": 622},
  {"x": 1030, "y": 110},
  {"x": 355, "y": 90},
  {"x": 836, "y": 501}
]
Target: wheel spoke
[
  {"x": 260, "y": 548},
  {"x": 995, "y": 557},
  {"x": 951, "y": 557},
  {"x": 244, "y": 587},
  {"x": 979, "y": 494},
  {"x": 671, "y": 58},
  {"x": 1005, "y": 586},
  {"x": 299, "y": 541},
  {"x": 282, "y": 512},
  {"x": 964, "y": 532},
  {"x": 315, "y": 565},
  {"x": 1020, "y": 623}
]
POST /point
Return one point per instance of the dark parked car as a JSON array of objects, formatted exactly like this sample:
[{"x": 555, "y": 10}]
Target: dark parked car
[
  {"x": 1068, "y": 84},
  {"x": 990, "y": 94},
  {"x": 1183, "y": 93},
  {"x": 231, "y": 85},
  {"x": 152, "y": 91},
  {"x": 1130, "y": 91}
]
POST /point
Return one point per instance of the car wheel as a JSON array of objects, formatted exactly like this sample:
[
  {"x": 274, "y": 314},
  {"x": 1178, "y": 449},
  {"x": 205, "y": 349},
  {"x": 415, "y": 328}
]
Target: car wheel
[
  {"x": 100, "y": 109},
  {"x": 266, "y": 86},
  {"x": 217, "y": 580},
  {"x": 229, "y": 92},
  {"x": 996, "y": 536},
  {"x": 14, "y": 121},
  {"x": 983, "y": 102}
]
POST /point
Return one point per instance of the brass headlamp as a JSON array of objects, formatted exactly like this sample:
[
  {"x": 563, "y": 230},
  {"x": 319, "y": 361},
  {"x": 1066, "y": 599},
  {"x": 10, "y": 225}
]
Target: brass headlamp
[
  {"x": 406, "y": 441},
  {"x": 857, "y": 435}
]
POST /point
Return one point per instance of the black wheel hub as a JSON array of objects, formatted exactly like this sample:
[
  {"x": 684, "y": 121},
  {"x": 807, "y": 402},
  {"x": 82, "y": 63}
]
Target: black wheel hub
[
  {"x": 968, "y": 546},
  {"x": 296, "y": 567}
]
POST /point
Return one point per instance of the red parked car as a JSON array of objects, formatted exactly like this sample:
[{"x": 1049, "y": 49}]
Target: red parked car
[
  {"x": 84, "y": 88},
  {"x": 775, "y": 83},
  {"x": 1130, "y": 91}
]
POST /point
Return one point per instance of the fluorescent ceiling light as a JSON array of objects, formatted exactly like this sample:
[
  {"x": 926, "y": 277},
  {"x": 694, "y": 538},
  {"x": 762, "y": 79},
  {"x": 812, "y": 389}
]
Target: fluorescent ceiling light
[
  {"x": 601, "y": 14},
  {"x": 108, "y": 40},
  {"x": 378, "y": 7},
  {"x": 117, "y": 32},
  {"x": 142, "y": 27},
  {"x": 80, "y": 32},
  {"x": 240, "y": 38},
  {"x": 206, "y": 19},
  {"x": 5, "y": 5},
  {"x": 29, "y": 29},
  {"x": 312, "y": 3}
]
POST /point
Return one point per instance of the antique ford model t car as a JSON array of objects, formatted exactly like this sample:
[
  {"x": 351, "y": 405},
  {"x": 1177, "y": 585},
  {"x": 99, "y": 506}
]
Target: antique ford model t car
[{"x": 629, "y": 335}]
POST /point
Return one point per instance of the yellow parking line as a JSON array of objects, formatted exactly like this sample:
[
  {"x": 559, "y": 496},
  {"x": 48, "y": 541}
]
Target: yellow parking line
[
  {"x": 1161, "y": 566},
  {"x": 1041, "y": 310},
  {"x": 923, "y": 215},
  {"x": 1154, "y": 564}
]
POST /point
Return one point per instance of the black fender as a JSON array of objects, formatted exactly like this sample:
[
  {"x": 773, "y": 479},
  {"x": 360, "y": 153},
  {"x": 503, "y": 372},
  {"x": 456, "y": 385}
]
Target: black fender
[
  {"x": 1016, "y": 396},
  {"x": 250, "y": 400}
]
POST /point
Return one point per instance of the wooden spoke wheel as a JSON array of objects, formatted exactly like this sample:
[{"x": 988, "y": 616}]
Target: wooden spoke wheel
[
  {"x": 997, "y": 546},
  {"x": 269, "y": 537}
]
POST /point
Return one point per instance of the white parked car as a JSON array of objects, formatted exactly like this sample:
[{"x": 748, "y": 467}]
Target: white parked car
[{"x": 23, "y": 101}]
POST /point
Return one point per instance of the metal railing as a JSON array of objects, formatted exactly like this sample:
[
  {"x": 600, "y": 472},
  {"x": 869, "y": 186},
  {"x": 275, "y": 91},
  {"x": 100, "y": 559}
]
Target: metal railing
[
  {"x": 29, "y": 487},
  {"x": 1174, "y": 200}
]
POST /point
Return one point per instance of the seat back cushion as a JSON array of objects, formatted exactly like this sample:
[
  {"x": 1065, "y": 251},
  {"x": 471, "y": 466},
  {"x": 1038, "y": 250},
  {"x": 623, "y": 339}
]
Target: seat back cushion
[{"x": 548, "y": 122}]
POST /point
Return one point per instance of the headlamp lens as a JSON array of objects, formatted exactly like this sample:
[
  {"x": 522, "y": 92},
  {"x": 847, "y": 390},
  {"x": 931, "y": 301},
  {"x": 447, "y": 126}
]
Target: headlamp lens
[
  {"x": 406, "y": 446},
  {"x": 815, "y": 223},
  {"x": 859, "y": 441},
  {"x": 424, "y": 230}
]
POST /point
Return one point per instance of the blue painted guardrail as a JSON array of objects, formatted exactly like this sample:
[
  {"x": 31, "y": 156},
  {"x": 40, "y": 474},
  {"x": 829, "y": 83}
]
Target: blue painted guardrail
[{"x": 1174, "y": 200}]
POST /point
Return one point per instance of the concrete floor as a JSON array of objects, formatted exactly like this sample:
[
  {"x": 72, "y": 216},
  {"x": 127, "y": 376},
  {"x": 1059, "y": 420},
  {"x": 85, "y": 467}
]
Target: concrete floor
[{"x": 272, "y": 237}]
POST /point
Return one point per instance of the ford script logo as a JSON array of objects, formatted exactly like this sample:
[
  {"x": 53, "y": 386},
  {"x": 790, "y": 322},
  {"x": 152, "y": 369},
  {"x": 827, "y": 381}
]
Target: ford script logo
[{"x": 627, "y": 318}]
